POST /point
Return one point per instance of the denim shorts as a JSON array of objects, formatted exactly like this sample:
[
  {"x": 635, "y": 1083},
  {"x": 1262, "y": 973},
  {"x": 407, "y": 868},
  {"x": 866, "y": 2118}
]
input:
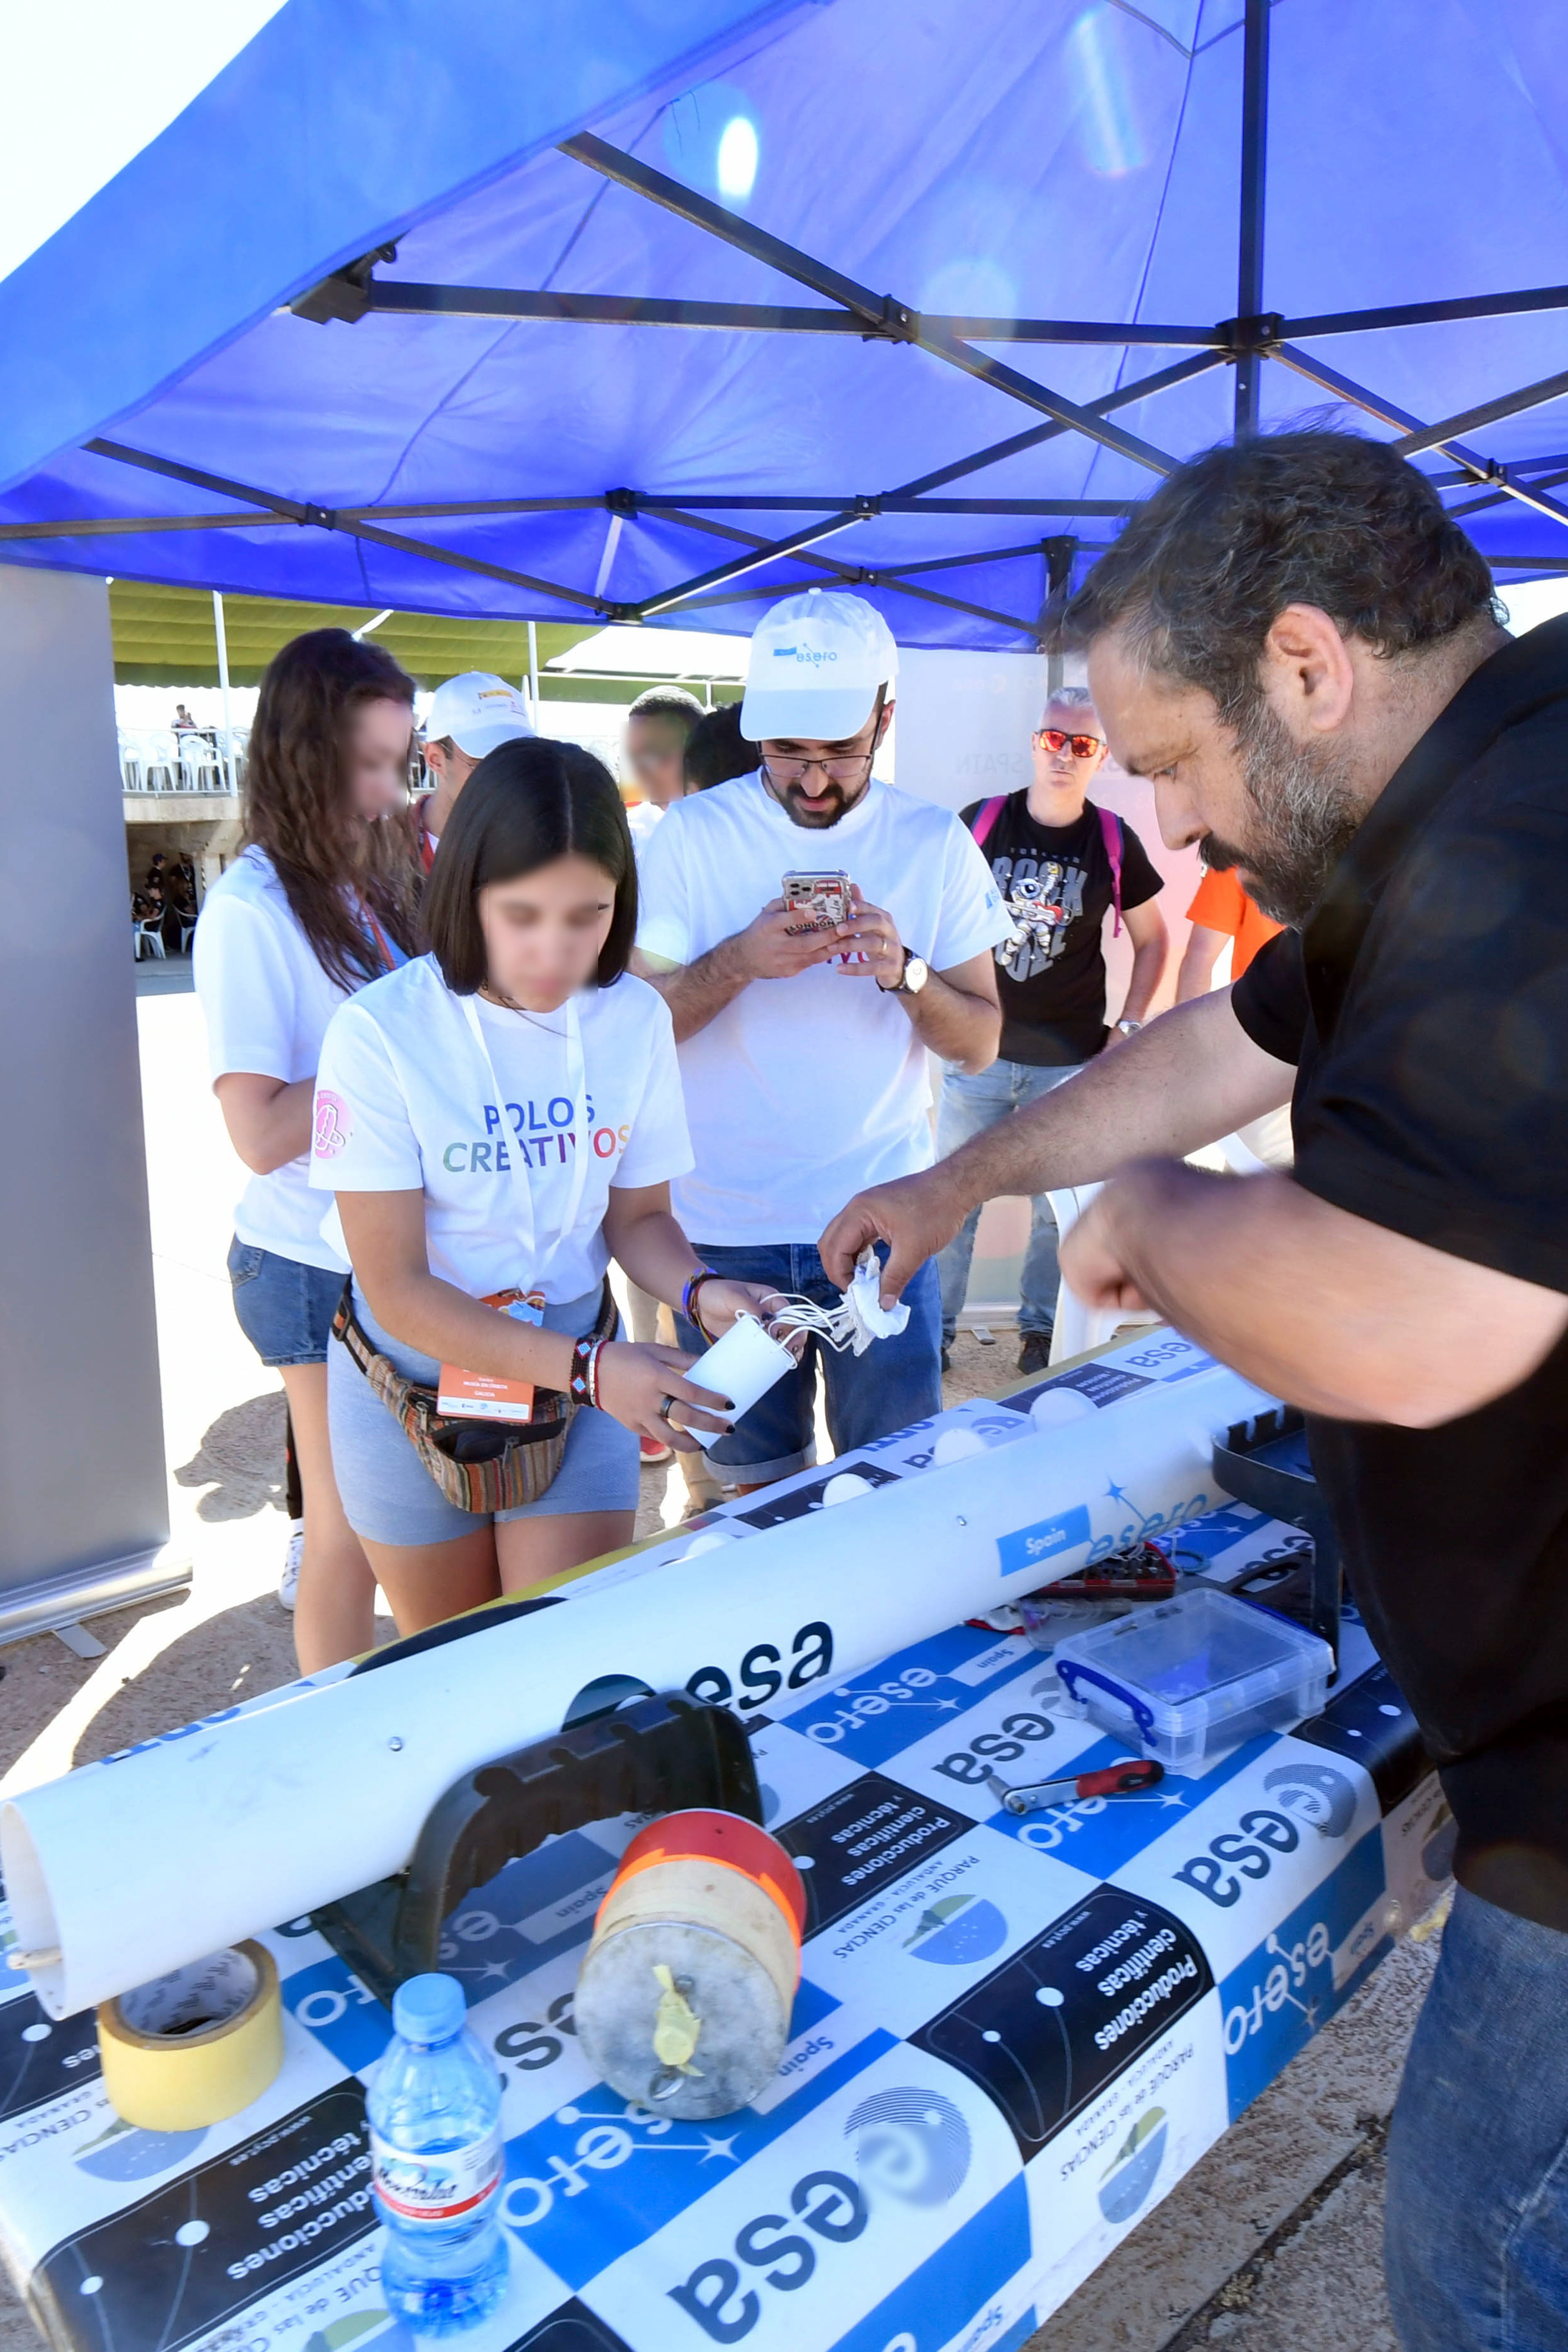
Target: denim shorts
[
  {"x": 388, "y": 1495},
  {"x": 285, "y": 1309}
]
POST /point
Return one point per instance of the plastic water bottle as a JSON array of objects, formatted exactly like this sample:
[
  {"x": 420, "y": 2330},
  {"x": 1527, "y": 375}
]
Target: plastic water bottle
[{"x": 437, "y": 2163}]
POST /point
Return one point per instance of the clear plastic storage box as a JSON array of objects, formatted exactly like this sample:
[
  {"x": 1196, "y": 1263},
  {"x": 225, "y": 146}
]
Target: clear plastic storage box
[{"x": 1190, "y": 1676}]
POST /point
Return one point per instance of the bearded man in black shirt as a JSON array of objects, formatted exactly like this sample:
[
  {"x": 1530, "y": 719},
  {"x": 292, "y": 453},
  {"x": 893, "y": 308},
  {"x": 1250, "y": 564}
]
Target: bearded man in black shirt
[{"x": 1298, "y": 645}]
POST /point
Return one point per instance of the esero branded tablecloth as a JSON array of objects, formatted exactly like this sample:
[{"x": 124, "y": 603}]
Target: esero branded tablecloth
[{"x": 1012, "y": 2037}]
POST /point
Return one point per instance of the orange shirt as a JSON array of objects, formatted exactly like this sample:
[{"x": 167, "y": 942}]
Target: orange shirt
[{"x": 1222, "y": 905}]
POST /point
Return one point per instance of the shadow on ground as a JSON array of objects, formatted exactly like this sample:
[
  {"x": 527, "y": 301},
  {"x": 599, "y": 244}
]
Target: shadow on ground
[{"x": 240, "y": 1458}]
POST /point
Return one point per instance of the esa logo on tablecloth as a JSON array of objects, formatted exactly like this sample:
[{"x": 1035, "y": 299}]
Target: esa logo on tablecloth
[{"x": 909, "y": 2143}]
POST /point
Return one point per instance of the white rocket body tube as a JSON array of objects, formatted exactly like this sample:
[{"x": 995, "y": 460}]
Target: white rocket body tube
[{"x": 134, "y": 1866}]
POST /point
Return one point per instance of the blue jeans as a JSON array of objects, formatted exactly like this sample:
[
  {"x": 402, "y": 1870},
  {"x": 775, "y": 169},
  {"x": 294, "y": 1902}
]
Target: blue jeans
[
  {"x": 895, "y": 1382},
  {"x": 1477, "y": 2233},
  {"x": 968, "y": 1107},
  {"x": 284, "y": 1309}
]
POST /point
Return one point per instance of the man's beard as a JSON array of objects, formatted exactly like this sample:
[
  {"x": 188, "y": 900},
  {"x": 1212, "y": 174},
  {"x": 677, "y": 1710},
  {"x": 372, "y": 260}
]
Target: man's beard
[
  {"x": 1307, "y": 816},
  {"x": 789, "y": 797}
]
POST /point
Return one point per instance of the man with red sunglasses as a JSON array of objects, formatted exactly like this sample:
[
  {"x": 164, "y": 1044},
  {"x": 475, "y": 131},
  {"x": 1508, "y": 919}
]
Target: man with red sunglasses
[{"x": 1061, "y": 865}]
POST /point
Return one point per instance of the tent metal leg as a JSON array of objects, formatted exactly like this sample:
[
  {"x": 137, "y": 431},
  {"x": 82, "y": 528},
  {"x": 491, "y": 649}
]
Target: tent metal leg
[{"x": 1254, "y": 191}]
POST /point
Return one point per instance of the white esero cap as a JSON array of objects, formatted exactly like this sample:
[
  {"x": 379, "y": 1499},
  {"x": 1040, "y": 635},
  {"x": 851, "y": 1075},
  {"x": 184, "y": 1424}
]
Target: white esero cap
[
  {"x": 477, "y": 710},
  {"x": 817, "y": 661}
]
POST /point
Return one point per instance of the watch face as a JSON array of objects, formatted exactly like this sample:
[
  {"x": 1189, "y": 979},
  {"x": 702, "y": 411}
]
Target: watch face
[{"x": 917, "y": 972}]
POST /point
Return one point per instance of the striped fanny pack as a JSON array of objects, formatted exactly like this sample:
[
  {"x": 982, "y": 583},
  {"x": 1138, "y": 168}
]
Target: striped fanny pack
[{"x": 479, "y": 1465}]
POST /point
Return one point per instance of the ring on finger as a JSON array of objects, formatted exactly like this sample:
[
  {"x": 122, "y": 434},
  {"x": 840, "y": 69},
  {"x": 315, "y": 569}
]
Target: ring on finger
[{"x": 665, "y": 1411}]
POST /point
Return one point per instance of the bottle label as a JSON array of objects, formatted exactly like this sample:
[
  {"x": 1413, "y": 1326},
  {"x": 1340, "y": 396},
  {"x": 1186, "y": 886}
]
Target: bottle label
[{"x": 438, "y": 2184}]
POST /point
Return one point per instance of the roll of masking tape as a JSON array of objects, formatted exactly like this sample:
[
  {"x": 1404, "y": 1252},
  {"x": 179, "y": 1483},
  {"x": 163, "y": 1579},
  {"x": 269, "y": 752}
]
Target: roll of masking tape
[{"x": 189, "y": 2049}]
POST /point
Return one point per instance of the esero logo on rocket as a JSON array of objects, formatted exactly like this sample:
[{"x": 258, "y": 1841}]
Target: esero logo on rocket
[{"x": 912, "y": 2145}]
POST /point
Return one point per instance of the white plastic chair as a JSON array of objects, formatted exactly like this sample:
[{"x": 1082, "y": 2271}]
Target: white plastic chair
[
  {"x": 199, "y": 768},
  {"x": 161, "y": 759},
  {"x": 149, "y": 933},
  {"x": 1078, "y": 1328},
  {"x": 131, "y": 775}
]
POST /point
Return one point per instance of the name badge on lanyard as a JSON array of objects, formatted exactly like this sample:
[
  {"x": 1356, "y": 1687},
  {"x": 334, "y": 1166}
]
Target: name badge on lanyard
[{"x": 529, "y": 1305}]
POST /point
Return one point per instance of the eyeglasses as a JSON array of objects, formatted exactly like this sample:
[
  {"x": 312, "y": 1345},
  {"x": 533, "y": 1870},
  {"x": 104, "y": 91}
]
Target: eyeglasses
[
  {"x": 1057, "y": 738},
  {"x": 841, "y": 768}
]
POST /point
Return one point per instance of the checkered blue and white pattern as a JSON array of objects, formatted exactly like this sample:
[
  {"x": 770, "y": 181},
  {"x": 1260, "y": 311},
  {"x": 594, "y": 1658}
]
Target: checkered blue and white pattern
[{"x": 1012, "y": 2037}]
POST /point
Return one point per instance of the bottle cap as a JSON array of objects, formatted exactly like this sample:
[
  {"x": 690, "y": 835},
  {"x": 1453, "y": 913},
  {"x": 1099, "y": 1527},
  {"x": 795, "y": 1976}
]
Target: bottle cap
[{"x": 429, "y": 2008}]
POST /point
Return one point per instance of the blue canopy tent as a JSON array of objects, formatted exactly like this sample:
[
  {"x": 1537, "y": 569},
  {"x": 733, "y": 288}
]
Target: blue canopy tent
[
  {"x": 651, "y": 312},
  {"x": 639, "y": 362}
]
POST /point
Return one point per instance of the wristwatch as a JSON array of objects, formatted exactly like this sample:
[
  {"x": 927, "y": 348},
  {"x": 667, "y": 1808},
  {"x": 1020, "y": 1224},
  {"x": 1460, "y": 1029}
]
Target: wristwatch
[
  {"x": 1130, "y": 1028},
  {"x": 913, "y": 978}
]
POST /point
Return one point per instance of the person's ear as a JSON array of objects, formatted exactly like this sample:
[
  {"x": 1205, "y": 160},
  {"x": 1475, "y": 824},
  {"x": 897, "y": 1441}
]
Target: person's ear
[
  {"x": 884, "y": 723},
  {"x": 1305, "y": 671}
]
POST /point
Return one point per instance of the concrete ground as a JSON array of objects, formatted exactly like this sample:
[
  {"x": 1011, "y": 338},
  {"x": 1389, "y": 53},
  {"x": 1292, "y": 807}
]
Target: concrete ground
[{"x": 1270, "y": 2245}]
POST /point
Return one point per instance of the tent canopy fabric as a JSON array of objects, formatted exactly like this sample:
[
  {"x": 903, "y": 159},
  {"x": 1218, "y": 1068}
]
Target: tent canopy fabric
[{"x": 862, "y": 247}]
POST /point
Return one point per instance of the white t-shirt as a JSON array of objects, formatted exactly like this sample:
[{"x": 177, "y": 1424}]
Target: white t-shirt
[
  {"x": 641, "y": 819},
  {"x": 267, "y": 1003},
  {"x": 405, "y": 1099},
  {"x": 803, "y": 1090}
]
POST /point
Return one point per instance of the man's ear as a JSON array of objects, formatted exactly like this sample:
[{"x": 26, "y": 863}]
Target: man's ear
[
  {"x": 885, "y": 722},
  {"x": 1305, "y": 671}
]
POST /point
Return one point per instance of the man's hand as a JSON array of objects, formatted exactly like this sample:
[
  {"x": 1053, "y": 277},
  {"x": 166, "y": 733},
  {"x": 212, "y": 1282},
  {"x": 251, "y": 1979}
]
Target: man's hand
[
  {"x": 870, "y": 941},
  {"x": 1090, "y": 1258},
  {"x": 779, "y": 943},
  {"x": 916, "y": 1216}
]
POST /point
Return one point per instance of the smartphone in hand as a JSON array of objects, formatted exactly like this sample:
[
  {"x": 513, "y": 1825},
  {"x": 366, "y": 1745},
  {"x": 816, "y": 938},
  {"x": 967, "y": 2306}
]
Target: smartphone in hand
[{"x": 821, "y": 900}]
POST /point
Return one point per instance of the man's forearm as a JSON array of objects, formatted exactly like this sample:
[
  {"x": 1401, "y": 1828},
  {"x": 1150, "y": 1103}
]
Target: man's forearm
[
  {"x": 1148, "y": 971},
  {"x": 1192, "y": 1075},
  {"x": 1332, "y": 1313},
  {"x": 697, "y": 992},
  {"x": 959, "y": 1026}
]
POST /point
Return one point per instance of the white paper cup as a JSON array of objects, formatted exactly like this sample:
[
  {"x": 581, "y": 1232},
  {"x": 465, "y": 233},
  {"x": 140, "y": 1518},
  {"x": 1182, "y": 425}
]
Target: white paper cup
[{"x": 742, "y": 1366}]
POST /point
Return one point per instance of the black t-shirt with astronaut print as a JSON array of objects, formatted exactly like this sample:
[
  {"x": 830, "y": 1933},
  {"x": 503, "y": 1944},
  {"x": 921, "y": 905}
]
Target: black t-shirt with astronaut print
[{"x": 1056, "y": 885}]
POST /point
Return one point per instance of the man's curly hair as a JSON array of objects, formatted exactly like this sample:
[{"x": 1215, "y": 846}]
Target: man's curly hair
[{"x": 1206, "y": 565}]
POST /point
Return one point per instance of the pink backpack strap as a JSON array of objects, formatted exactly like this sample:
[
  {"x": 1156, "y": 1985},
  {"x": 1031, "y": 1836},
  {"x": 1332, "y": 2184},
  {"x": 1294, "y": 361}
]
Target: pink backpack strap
[
  {"x": 986, "y": 817},
  {"x": 1111, "y": 833}
]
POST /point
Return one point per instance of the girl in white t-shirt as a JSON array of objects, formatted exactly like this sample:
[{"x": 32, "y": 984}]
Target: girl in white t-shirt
[
  {"x": 498, "y": 1119},
  {"x": 322, "y": 899}
]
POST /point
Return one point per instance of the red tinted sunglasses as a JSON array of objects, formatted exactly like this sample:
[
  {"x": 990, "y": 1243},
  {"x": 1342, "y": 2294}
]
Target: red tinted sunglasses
[{"x": 1057, "y": 738}]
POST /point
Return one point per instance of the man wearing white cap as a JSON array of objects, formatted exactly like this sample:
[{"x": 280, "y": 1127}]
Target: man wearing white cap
[
  {"x": 469, "y": 715},
  {"x": 803, "y": 1044}
]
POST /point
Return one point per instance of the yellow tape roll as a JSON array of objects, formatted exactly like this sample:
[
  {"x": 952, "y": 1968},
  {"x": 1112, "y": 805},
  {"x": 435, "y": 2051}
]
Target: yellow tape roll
[{"x": 189, "y": 2049}]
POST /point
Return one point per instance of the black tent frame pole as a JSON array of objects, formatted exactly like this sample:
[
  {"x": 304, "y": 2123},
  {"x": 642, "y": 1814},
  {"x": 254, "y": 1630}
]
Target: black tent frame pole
[
  {"x": 1254, "y": 192},
  {"x": 881, "y": 313},
  {"x": 1482, "y": 469}
]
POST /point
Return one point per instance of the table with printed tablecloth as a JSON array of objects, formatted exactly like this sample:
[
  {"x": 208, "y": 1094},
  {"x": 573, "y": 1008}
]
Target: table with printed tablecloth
[{"x": 1012, "y": 2037}]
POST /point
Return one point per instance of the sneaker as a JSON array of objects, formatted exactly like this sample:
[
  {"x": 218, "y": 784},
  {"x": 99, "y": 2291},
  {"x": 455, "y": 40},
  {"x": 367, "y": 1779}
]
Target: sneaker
[
  {"x": 288, "y": 1582},
  {"x": 653, "y": 1450},
  {"x": 947, "y": 1359},
  {"x": 1035, "y": 1355}
]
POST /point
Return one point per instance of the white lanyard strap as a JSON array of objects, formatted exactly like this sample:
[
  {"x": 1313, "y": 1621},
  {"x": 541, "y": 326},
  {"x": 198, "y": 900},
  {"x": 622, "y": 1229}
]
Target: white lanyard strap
[{"x": 577, "y": 1093}]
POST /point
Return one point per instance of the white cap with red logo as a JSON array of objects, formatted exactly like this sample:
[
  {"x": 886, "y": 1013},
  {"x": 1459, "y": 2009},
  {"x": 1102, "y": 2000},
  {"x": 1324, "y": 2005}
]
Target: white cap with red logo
[{"x": 477, "y": 710}]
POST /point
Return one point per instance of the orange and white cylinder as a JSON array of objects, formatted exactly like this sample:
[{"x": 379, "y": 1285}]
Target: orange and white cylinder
[{"x": 684, "y": 1997}]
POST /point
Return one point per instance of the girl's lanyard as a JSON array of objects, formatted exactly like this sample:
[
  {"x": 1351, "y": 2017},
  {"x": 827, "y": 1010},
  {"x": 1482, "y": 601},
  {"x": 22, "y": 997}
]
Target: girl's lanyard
[
  {"x": 391, "y": 957},
  {"x": 577, "y": 1094}
]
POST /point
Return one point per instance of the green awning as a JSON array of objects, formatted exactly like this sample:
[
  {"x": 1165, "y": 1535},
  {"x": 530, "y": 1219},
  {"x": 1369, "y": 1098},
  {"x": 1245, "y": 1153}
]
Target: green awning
[{"x": 164, "y": 637}]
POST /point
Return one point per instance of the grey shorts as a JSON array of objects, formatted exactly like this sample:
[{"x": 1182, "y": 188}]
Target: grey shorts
[{"x": 389, "y": 1496}]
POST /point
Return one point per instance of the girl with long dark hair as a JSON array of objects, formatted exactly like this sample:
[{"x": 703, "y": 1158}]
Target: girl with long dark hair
[
  {"x": 498, "y": 1119},
  {"x": 321, "y": 900}
]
